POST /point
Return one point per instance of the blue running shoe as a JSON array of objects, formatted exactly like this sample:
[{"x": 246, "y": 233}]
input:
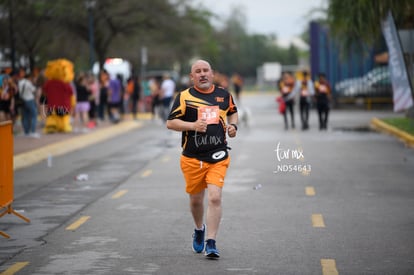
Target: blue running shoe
[
  {"x": 198, "y": 240},
  {"x": 211, "y": 250}
]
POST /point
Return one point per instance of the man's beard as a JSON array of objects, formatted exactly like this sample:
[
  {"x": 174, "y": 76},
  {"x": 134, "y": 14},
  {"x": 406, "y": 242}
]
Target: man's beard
[{"x": 205, "y": 85}]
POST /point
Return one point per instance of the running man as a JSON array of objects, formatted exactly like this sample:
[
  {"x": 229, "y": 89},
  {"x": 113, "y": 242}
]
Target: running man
[{"x": 204, "y": 113}]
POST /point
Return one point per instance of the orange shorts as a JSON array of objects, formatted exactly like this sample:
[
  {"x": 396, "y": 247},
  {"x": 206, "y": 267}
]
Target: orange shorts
[{"x": 198, "y": 174}]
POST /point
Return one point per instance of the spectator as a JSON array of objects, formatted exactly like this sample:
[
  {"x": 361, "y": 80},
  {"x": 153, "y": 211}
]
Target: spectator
[
  {"x": 147, "y": 95},
  {"x": 27, "y": 92},
  {"x": 93, "y": 87},
  {"x": 123, "y": 104},
  {"x": 114, "y": 99},
  {"x": 82, "y": 103},
  {"x": 103, "y": 94},
  {"x": 41, "y": 100},
  {"x": 167, "y": 93},
  {"x": 7, "y": 102},
  {"x": 136, "y": 93},
  {"x": 237, "y": 81},
  {"x": 154, "y": 85}
]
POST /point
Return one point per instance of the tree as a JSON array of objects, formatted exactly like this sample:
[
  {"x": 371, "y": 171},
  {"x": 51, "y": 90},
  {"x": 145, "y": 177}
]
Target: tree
[
  {"x": 237, "y": 51},
  {"x": 174, "y": 32},
  {"x": 116, "y": 20},
  {"x": 358, "y": 23},
  {"x": 53, "y": 29},
  {"x": 353, "y": 22},
  {"x": 29, "y": 29}
]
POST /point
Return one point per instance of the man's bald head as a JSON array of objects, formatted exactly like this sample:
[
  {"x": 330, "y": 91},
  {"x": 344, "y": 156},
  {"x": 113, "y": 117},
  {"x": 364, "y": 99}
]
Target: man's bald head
[{"x": 202, "y": 75}]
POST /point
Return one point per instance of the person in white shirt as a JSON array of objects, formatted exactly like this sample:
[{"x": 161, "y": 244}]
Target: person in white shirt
[
  {"x": 27, "y": 91},
  {"x": 167, "y": 93}
]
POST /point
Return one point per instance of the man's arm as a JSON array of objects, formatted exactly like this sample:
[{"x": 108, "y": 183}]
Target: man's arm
[
  {"x": 232, "y": 120},
  {"x": 181, "y": 125}
]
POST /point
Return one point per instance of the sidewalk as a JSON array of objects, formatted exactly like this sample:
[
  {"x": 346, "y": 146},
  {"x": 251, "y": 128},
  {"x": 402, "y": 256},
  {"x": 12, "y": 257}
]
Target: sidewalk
[{"x": 28, "y": 150}]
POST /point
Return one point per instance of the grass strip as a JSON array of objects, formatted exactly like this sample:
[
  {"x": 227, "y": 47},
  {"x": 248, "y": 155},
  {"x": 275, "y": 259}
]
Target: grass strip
[{"x": 402, "y": 123}]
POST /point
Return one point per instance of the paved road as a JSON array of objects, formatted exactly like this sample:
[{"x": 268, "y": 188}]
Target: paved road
[{"x": 352, "y": 213}]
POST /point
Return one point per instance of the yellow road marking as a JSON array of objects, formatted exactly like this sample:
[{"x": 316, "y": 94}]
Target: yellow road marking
[
  {"x": 310, "y": 191},
  {"x": 78, "y": 223},
  {"x": 146, "y": 173},
  {"x": 14, "y": 268},
  {"x": 119, "y": 194},
  {"x": 317, "y": 220},
  {"x": 329, "y": 267}
]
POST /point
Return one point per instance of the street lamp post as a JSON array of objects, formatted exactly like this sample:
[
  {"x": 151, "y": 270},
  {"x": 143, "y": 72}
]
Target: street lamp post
[{"x": 90, "y": 5}]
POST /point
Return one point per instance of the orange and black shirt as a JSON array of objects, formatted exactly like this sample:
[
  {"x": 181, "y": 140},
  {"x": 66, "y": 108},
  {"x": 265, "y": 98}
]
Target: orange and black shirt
[
  {"x": 322, "y": 91},
  {"x": 213, "y": 106}
]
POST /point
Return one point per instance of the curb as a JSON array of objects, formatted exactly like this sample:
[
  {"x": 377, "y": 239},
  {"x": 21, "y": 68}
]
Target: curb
[
  {"x": 65, "y": 146},
  {"x": 381, "y": 126}
]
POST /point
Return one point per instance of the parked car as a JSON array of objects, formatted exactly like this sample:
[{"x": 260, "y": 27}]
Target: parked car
[{"x": 375, "y": 83}]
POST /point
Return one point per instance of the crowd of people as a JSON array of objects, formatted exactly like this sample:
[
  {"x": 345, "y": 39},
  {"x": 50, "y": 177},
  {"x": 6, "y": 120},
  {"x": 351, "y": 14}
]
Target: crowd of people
[
  {"x": 94, "y": 99},
  {"x": 102, "y": 97},
  {"x": 308, "y": 93},
  {"x": 18, "y": 96}
]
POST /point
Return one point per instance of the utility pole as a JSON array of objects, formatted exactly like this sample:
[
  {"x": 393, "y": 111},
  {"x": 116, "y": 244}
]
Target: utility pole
[{"x": 90, "y": 5}]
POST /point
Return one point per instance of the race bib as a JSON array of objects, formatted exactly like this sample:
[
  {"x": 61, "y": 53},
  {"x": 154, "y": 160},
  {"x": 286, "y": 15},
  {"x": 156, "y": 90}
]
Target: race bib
[
  {"x": 323, "y": 89},
  {"x": 305, "y": 92},
  {"x": 211, "y": 114}
]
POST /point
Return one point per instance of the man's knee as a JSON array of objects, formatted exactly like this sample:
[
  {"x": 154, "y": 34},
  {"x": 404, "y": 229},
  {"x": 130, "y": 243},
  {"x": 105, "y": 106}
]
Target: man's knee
[
  {"x": 197, "y": 200},
  {"x": 214, "y": 196}
]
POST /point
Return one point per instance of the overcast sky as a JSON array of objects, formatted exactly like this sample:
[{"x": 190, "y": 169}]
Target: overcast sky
[{"x": 285, "y": 18}]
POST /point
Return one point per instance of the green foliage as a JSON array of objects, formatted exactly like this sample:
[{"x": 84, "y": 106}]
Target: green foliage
[
  {"x": 357, "y": 23},
  {"x": 174, "y": 32}
]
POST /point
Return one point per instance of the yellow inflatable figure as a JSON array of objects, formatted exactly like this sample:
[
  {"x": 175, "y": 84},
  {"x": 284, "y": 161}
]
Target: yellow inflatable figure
[{"x": 60, "y": 96}]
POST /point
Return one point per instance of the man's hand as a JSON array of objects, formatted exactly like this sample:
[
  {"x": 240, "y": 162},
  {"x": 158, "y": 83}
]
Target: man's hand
[
  {"x": 231, "y": 130},
  {"x": 200, "y": 126}
]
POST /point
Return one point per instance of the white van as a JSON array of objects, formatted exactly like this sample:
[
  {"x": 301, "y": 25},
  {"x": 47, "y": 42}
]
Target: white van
[{"x": 115, "y": 66}]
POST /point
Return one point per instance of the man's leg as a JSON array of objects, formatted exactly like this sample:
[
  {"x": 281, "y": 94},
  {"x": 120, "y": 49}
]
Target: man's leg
[
  {"x": 197, "y": 208},
  {"x": 213, "y": 220},
  {"x": 213, "y": 211}
]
